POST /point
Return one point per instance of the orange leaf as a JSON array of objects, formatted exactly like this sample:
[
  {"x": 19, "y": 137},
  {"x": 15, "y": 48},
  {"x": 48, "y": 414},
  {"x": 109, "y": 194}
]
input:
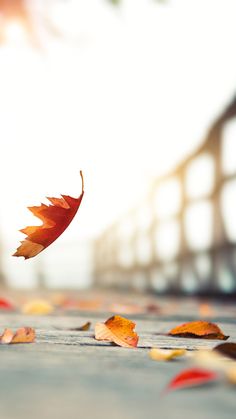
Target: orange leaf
[
  {"x": 191, "y": 377},
  {"x": 198, "y": 329},
  {"x": 7, "y": 336},
  {"x": 118, "y": 330},
  {"x": 22, "y": 335},
  {"x": 55, "y": 219}
]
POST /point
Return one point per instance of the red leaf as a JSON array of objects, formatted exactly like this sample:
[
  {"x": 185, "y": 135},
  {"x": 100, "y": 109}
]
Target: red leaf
[
  {"x": 55, "y": 218},
  {"x": 191, "y": 377},
  {"x": 6, "y": 304}
]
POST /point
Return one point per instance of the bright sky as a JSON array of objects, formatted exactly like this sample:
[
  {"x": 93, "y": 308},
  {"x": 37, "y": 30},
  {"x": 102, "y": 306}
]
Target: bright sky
[{"x": 127, "y": 101}]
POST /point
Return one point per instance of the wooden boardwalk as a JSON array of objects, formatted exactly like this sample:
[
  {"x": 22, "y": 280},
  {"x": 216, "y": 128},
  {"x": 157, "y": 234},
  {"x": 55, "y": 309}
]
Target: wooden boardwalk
[{"x": 69, "y": 375}]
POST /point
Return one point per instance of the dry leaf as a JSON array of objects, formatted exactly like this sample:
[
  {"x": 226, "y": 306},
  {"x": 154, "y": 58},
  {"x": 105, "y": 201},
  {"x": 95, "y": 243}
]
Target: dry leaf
[
  {"x": 7, "y": 336},
  {"x": 22, "y": 335},
  {"x": 125, "y": 308},
  {"x": 192, "y": 377},
  {"x": 6, "y": 304},
  {"x": 227, "y": 349},
  {"x": 210, "y": 359},
  {"x": 89, "y": 305},
  {"x": 166, "y": 354},
  {"x": 37, "y": 307},
  {"x": 231, "y": 375},
  {"x": 205, "y": 310},
  {"x": 198, "y": 329},
  {"x": 55, "y": 218},
  {"x": 82, "y": 328},
  {"x": 118, "y": 330}
]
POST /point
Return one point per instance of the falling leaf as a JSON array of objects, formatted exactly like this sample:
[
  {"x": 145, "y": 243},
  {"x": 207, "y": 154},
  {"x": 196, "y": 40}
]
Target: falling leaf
[
  {"x": 6, "y": 304},
  {"x": 227, "y": 349},
  {"x": 166, "y": 354},
  {"x": 22, "y": 335},
  {"x": 118, "y": 330},
  {"x": 37, "y": 307},
  {"x": 55, "y": 219},
  {"x": 192, "y": 377},
  {"x": 82, "y": 328},
  {"x": 198, "y": 329}
]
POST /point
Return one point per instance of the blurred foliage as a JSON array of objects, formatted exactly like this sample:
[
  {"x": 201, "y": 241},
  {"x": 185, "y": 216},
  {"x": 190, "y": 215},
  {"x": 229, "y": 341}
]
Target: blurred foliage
[{"x": 118, "y": 2}]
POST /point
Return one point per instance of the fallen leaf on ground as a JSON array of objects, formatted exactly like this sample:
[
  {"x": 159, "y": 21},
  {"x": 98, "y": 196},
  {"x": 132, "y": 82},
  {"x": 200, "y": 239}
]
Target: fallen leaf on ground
[
  {"x": 166, "y": 354},
  {"x": 55, "y": 219},
  {"x": 118, "y": 330},
  {"x": 37, "y": 307},
  {"x": 192, "y": 377},
  {"x": 6, "y": 304},
  {"x": 205, "y": 310},
  {"x": 22, "y": 335},
  {"x": 153, "y": 308},
  {"x": 125, "y": 308},
  {"x": 82, "y": 328},
  {"x": 227, "y": 349},
  {"x": 231, "y": 375},
  {"x": 198, "y": 329},
  {"x": 210, "y": 359},
  {"x": 89, "y": 305}
]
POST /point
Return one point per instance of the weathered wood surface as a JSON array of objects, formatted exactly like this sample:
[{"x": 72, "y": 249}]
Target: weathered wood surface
[{"x": 70, "y": 375}]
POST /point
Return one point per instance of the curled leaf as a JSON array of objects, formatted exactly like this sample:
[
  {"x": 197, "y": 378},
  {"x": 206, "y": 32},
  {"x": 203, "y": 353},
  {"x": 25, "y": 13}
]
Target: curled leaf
[
  {"x": 55, "y": 219},
  {"x": 227, "y": 349},
  {"x": 118, "y": 330},
  {"x": 198, "y": 329},
  {"x": 22, "y": 335},
  {"x": 166, "y": 354},
  {"x": 7, "y": 336},
  {"x": 37, "y": 307},
  {"x": 192, "y": 377}
]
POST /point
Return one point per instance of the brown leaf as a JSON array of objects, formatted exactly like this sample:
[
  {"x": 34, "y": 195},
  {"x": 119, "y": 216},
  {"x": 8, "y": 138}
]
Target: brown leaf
[
  {"x": 22, "y": 335},
  {"x": 118, "y": 330},
  {"x": 166, "y": 354},
  {"x": 198, "y": 329},
  {"x": 82, "y": 328},
  {"x": 227, "y": 349}
]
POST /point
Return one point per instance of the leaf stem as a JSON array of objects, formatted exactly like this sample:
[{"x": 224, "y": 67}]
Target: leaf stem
[{"x": 82, "y": 178}]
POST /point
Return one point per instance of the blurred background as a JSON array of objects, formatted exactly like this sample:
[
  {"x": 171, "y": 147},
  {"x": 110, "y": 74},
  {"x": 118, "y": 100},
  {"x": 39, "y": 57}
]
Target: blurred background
[{"x": 140, "y": 95}]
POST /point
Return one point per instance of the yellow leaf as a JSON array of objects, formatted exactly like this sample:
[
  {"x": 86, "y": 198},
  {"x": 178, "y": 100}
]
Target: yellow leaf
[
  {"x": 166, "y": 354},
  {"x": 37, "y": 307}
]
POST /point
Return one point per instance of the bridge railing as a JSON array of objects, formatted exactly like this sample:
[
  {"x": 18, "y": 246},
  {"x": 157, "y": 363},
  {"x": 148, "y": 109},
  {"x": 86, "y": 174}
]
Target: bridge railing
[{"x": 182, "y": 237}]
